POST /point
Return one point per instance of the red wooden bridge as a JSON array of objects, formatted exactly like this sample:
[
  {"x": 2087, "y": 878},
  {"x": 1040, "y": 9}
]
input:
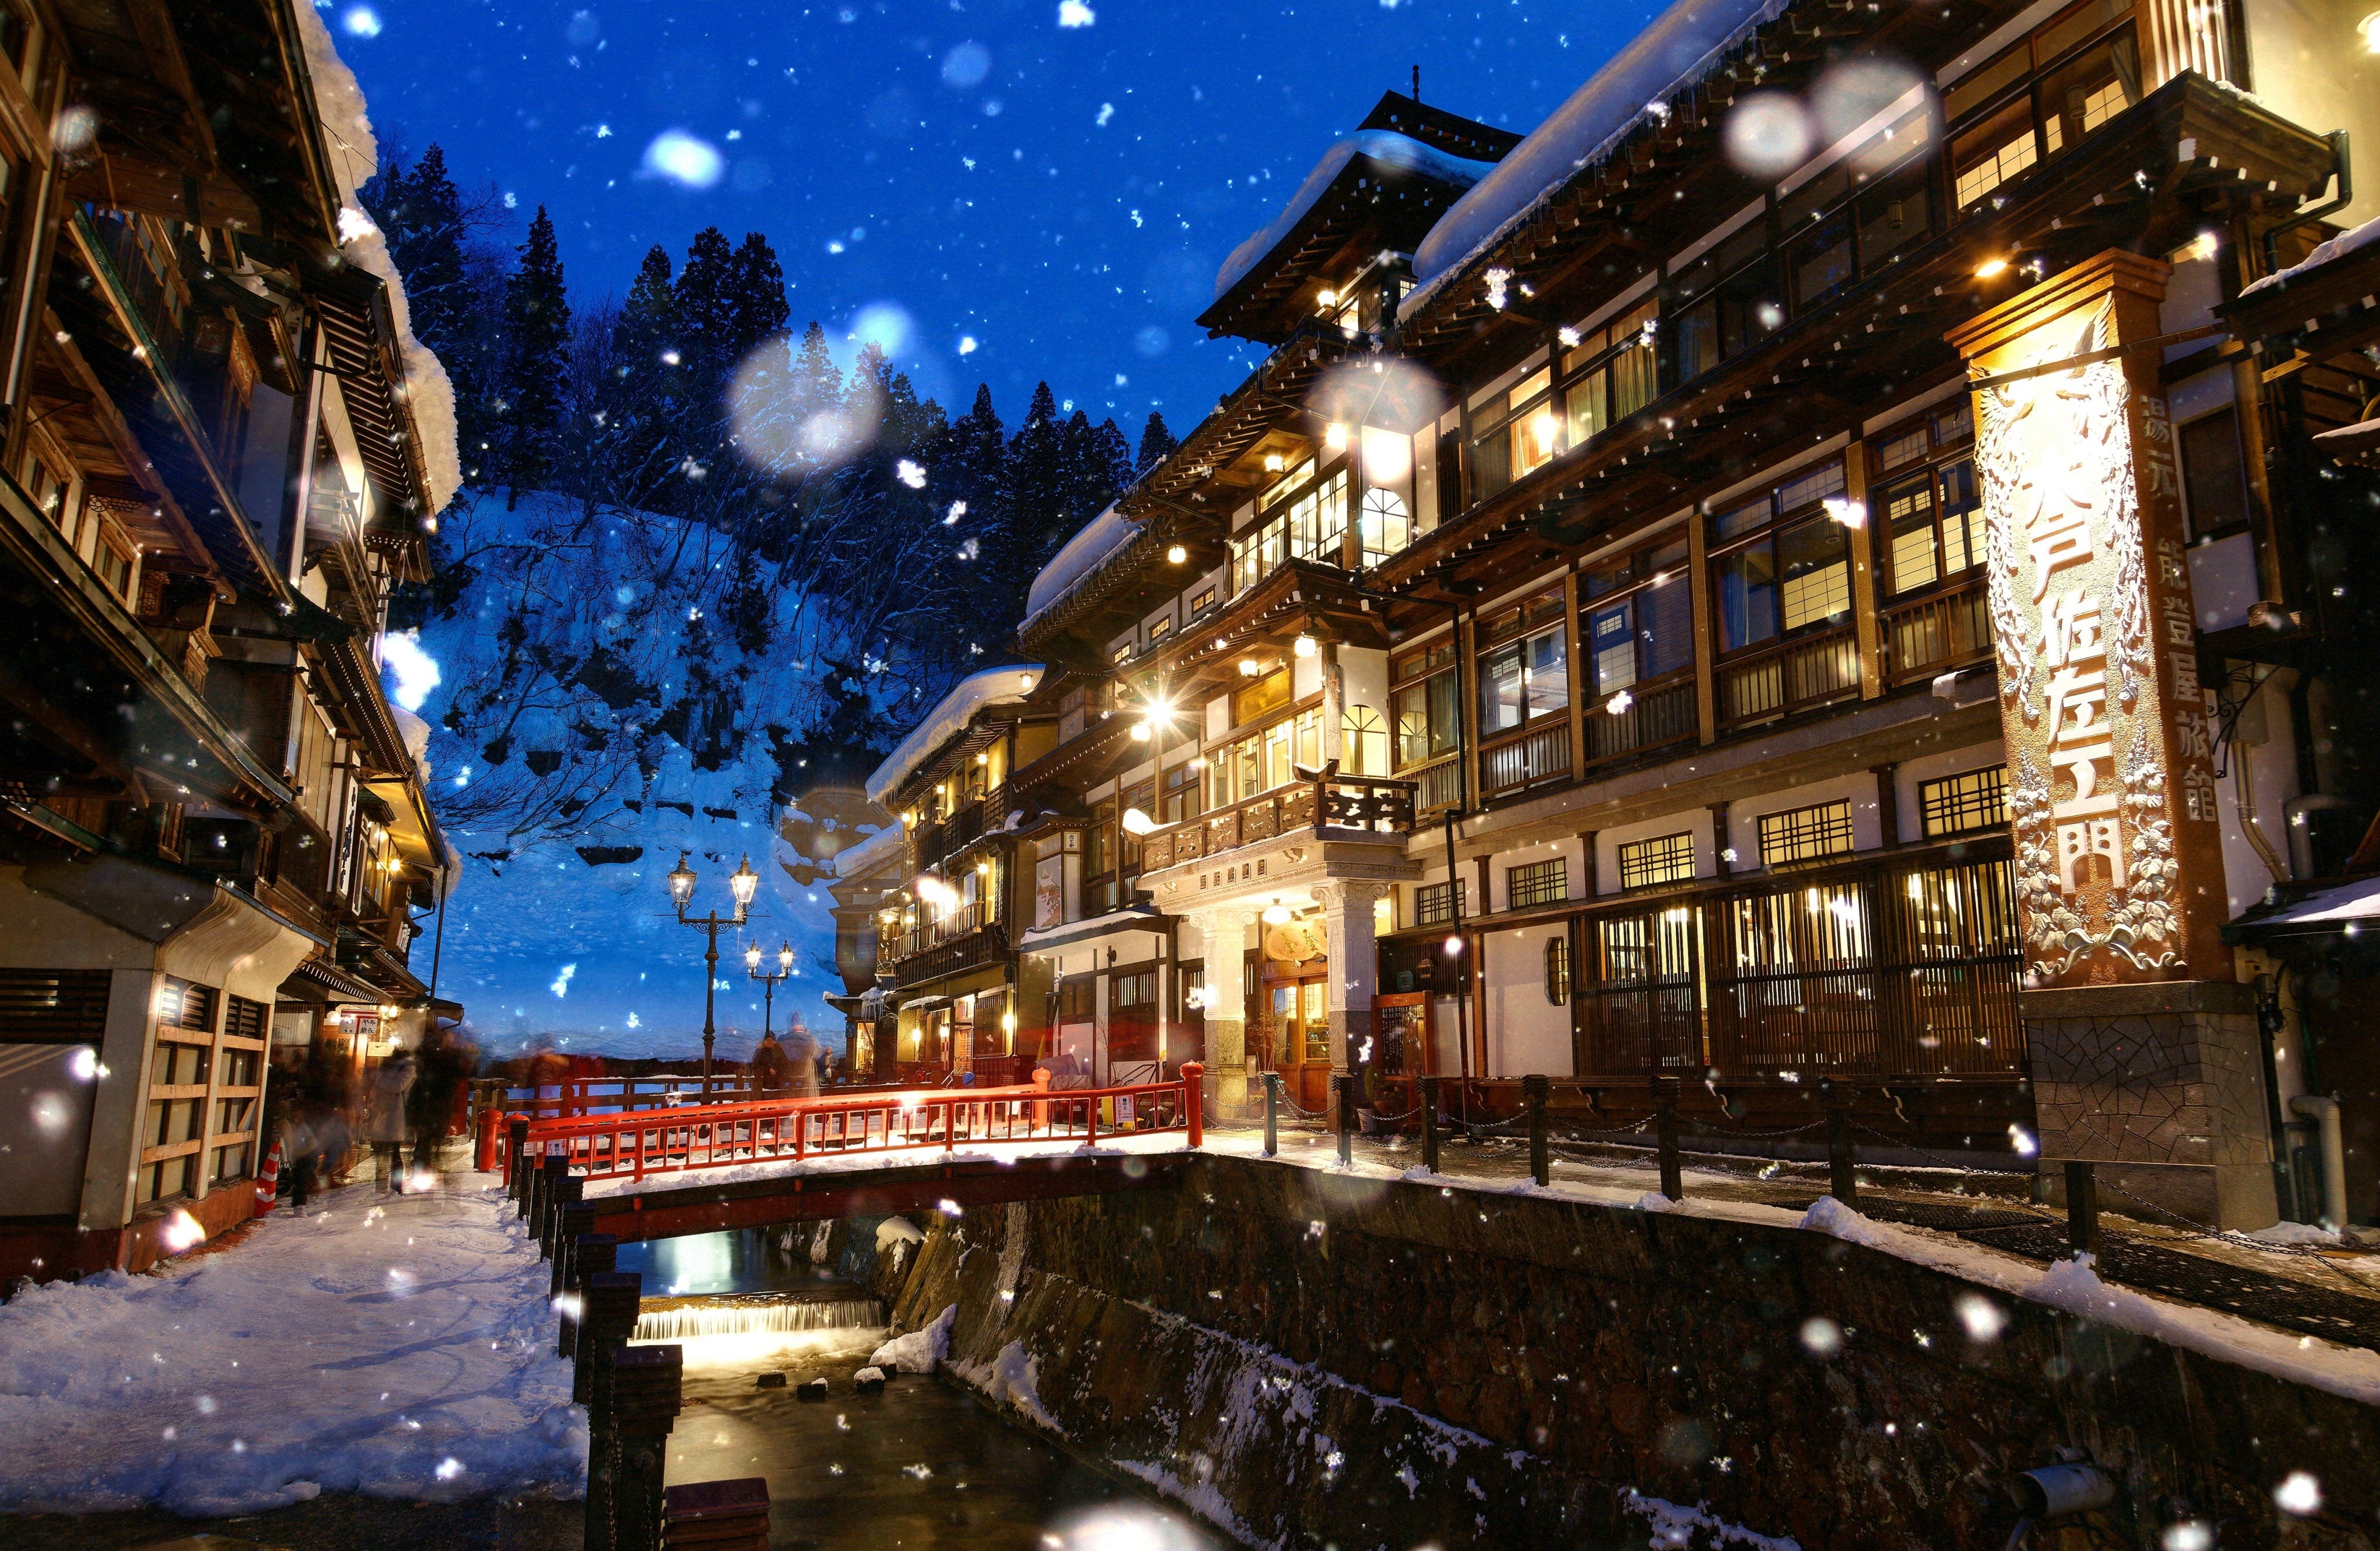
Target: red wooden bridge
[{"x": 861, "y": 1153}]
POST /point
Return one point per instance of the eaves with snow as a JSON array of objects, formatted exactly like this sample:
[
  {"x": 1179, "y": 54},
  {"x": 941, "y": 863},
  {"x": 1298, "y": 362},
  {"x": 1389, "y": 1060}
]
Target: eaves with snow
[
  {"x": 427, "y": 394},
  {"x": 1685, "y": 43},
  {"x": 950, "y": 719}
]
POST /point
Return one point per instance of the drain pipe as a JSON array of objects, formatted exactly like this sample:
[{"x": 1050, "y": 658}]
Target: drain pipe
[
  {"x": 2344, "y": 171},
  {"x": 2324, "y": 1111},
  {"x": 2244, "y": 777},
  {"x": 2054, "y": 1491}
]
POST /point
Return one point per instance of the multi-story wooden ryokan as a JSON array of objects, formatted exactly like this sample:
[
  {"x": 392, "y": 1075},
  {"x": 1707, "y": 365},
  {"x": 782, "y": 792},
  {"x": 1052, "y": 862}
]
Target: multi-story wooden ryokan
[
  {"x": 1829, "y": 572},
  {"x": 216, "y": 459}
]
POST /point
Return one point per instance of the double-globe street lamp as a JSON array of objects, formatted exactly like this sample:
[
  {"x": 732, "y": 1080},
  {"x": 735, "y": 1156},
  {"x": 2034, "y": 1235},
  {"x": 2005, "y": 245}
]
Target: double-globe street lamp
[
  {"x": 743, "y": 883},
  {"x": 768, "y": 982}
]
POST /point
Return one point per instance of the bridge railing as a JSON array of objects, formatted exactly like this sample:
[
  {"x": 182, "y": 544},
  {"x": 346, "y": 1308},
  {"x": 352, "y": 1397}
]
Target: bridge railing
[{"x": 640, "y": 1144}]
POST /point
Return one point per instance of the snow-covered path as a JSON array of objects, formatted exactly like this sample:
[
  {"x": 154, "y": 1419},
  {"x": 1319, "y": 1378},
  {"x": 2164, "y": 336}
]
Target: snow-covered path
[{"x": 399, "y": 1347}]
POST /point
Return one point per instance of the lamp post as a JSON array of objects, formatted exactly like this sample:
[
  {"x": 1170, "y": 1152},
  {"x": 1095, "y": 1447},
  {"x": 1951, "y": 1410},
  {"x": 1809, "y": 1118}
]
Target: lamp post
[
  {"x": 769, "y": 982},
  {"x": 741, "y": 883}
]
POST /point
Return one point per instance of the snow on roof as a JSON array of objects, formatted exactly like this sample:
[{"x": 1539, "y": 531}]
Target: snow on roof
[
  {"x": 2338, "y": 246},
  {"x": 355, "y": 156},
  {"x": 993, "y": 686},
  {"x": 1093, "y": 542},
  {"x": 855, "y": 861},
  {"x": 1677, "y": 49},
  {"x": 2345, "y": 907},
  {"x": 1381, "y": 145}
]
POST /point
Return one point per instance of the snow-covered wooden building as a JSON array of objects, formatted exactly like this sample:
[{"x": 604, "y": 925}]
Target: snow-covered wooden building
[{"x": 223, "y": 449}]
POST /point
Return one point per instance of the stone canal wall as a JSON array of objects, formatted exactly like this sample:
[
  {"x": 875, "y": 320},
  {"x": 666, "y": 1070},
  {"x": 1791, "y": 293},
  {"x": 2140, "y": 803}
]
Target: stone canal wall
[{"x": 1304, "y": 1358}]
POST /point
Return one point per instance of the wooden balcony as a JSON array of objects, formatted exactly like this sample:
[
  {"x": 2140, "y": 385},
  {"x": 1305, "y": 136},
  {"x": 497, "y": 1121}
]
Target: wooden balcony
[
  {"x": 1936, "y": 634},
  {"x": 1657, "y": 716},
  {"x": 1434, "y": 786},
  {"x": 1515, "y": 761},
  {"x": 1367, "y": 803},
  {"x": 1795, "y": 676},
  {"x": 967, "y": 937}
]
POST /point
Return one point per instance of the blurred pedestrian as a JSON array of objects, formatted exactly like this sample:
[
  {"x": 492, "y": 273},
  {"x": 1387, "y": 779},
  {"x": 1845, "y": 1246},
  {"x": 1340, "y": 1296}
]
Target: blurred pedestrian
[
  {"x": 801, "y": 1060},
  {"x": 301, "y": 1147},
  {"x": 769, "y": 1068},
  {"x": 430, "y": 1104},
  {"x": 385, "y": 1117}
]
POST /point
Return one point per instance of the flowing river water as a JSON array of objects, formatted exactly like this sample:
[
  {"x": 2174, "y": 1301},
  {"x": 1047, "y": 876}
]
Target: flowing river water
[{"x": 922, "y": 1464}]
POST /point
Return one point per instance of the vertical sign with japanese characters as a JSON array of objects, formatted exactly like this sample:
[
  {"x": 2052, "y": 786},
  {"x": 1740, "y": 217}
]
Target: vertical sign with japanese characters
[{"x": 2111, "y": 794}]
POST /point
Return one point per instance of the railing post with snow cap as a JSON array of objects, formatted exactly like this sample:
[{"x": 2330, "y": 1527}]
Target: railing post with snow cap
[
  {"x": 1430, "y": 1124},
  {"x": 2081, "y": 1208},
  {"x": 1665, "y": 1112},
  {"x": 1194, "y": 1102},
  {"x": 1536, "y": 1089},
  {"x": 1272, "y": 1114}
]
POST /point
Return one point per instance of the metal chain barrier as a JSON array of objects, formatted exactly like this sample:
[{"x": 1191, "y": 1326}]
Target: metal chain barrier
[{"x": 2187, "y": 1227}]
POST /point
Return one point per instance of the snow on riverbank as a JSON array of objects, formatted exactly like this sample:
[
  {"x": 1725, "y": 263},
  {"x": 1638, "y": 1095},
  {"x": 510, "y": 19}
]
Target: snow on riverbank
[{"x": 396, "y": 1347}]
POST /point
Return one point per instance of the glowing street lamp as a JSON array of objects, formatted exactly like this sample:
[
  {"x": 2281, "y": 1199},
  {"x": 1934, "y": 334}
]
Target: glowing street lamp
[
  {"x": 743, "y": 883},
  {"x": 768, "y": 982}
]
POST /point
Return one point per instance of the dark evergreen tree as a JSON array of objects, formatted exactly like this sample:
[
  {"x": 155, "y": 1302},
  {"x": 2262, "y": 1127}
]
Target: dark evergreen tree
[
  {"x": 974, "y": 476},
  {"x": 756, "y": 308},
  {"x": 1156, "y": 442},
  {"x": 1033, "y": 512},
  {"x": 536, "y": 323},
  {"x": 706, "y": 309},
  {"x": 424, "y": 217},
  {"x": 642, "y": 394}
]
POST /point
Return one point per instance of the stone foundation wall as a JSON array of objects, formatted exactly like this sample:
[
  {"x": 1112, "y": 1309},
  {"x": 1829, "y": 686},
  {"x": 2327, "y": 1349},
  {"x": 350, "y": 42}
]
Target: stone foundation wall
[{"x": 1303, "y": 1359}]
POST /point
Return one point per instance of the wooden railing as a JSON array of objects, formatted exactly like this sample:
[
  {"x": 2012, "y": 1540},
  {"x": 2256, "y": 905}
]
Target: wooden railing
[
  {"x": 794, "y": 1131},
  {"x": 1372, "y": 803},
  {"x": 1655, "y": 718},
  {"x": 1935, "y": 634},
  {"x": 968, "y": 936},
  {"x": 1873, "y": 967},
  {"x": 1541, "y": 752},
  {"x": 1436, "y": 786},
  {"x": 1794, "y": 676}
]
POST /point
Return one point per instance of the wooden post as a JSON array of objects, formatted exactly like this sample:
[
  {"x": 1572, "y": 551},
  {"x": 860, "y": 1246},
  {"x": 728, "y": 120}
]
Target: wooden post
[
  {"x": 1536, "y": 1089},
  {"x": 1430, "y": 1124},
  {"x": 564, "y": 1196},
  {"x": 637, "y": 1393},
  {"x": 1721, "y": 838},
  {"x": 610, "y": 1318},
  {"x": 1194, "y": 1102},
  {"x": 591, "y": 1254},
  {"x": 1272, "y": 1114},
  {"x": 1888, "y": 803},
  {"x": 1863, "y": 542},
  {"x": 2081, "y": 1208},
  {"x": 576, "y": 1217},
  {"x": 1842, "y": 1182},
  {"x": 517, "y": 1157},
  {"x": 1665, "y": 1100}
]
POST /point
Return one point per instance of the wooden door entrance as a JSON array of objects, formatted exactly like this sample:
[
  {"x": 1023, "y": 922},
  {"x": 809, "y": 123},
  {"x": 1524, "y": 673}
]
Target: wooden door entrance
[{"x": 1295, "y": 1017}]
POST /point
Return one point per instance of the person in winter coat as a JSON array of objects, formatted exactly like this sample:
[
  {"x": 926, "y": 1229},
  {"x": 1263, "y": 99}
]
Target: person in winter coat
[
  {"x": 769, "y": 1068},
  {"x": 385, "y": 1117},
  {"x": 431, "y": 1103},
  {"x": 301, "y": 1145}
]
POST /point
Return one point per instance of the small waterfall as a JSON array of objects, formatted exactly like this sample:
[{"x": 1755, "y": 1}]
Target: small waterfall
[{"x": 753, "y": 1315}]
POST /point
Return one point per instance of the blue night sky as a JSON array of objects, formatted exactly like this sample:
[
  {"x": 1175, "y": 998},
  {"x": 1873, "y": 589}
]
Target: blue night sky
[{"x": 1060, "y": 195}]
